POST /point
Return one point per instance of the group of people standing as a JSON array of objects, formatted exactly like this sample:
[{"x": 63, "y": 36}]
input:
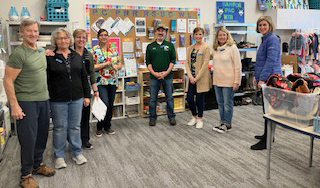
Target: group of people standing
[
  {"x": 41, "y": 83},
  {"x": 37, "y": 81}
]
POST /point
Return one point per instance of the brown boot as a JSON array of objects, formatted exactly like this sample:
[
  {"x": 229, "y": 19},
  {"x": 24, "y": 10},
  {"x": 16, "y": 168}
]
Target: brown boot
[
  {"x": 44, "y": 170},
  {"x": 28, "y": 182}
]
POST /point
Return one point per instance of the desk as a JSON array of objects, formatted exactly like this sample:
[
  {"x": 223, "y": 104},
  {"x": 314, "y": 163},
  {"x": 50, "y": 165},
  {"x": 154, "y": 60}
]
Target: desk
[{"x": 272, "y": 122}]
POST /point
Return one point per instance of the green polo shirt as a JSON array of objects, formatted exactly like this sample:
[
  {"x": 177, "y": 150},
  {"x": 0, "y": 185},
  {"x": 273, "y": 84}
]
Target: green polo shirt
[
  {"x": 160, "y": 57},
  {"x": 31, "y": 83}
]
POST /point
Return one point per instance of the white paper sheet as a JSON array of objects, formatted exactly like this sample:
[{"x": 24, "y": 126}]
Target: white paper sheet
[
  {"x": 181, "y": 25},
  {"x": 130, "y": 64},
  {"x": 144, "y": 47},
  {"x": 127, "y": 47},
  {"x": 115, "y": 24},
  {"x": 99, "y": 109},
  {"x": 107, "y": 25},
  {"x": 192, "y": 24},
  {"x": 182, "y": 53},
  {"x": 140, "y": 27}
]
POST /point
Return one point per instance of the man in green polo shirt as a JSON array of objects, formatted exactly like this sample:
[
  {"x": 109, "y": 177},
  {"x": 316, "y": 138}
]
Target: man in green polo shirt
[
  {"x": 25, "y": 82},
  {"x": 160, "y": 59}
]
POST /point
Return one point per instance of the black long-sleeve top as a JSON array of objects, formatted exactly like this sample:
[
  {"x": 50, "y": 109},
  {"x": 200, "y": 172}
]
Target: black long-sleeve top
[{"x": 67, "y": 78}]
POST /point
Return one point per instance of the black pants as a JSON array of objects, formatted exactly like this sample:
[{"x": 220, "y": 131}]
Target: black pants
[
  {"x": 33, "y": 134},
  {"x": 265, "y": 121},
  {"x": 107, "y": 94},
  {"x": 85, "y": 124},
  {"x": 199, "y": 104}
]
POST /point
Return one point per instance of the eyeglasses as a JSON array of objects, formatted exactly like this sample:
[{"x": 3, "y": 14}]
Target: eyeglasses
[
  {"x": 104, "y": 35},
  {"x": 79, "y": 37},
  {"x": 62, "y": 38}
]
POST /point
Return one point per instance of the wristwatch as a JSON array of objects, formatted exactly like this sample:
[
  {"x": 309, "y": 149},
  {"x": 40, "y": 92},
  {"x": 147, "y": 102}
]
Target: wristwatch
[{"x": 96, "y": 91}]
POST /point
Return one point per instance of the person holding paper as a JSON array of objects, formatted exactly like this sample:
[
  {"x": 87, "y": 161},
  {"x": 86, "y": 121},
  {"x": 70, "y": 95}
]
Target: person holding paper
[
  {"x": 27, "y": 91},
  {"x": 69, "y": 90},
  {"x": 226, "y": 76},
  {"x": 107, "y": 64},
  {"x": 160, "y": 59},
  {"x": 198, "y": 56},
  {"x": 80, "y": 39}
]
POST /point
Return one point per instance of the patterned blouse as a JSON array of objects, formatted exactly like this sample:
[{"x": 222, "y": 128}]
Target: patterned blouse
[
  {"x": 107, "y": 75},
  {"x": 194, "y": 54}
]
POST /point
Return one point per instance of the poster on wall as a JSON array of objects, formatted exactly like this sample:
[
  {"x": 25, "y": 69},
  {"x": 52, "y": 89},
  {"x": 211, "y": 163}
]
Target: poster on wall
[
  {"x": 181, "y": 25},
  {"x": 115, "y": 45},
  {"x": 107, "y": 25},
  {"x": 130, "y": 64},
  {"x": 192, "y": 24},
  {"x": 140, "y": 27},
  {"x": 97, "y": 24},
  {"x": 127, "y": 45},
  {"x": 230, "y": 12}
]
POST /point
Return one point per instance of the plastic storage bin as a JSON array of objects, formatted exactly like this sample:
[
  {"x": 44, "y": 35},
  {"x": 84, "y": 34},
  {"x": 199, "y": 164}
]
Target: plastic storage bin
[
  {"x": 132, "y": 87},
  {"x": 314, "y": 4},
  {"x": 293, "y": 107},
  {"x": 57, "y": 10}
]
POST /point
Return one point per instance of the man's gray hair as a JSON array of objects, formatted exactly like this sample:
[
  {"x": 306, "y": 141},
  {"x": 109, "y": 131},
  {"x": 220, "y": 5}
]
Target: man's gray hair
[
  {"x": 55, "y": 33},
  {"x": 27, "y": 22}
]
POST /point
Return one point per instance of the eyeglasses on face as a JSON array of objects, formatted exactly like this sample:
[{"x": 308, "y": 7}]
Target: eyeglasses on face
[
  {"x": 103, "y": 35},
  {"x": 62, "y": 38}
]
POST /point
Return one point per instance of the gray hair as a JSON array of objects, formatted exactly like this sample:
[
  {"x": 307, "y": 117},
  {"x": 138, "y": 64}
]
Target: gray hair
[
  {"x": 55, "y": 33},
  {"x": 27, "y": 22}
]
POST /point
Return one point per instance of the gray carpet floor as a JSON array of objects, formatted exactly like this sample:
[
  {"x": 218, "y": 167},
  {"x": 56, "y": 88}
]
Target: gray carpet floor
[{"x": 180, "y": 156}]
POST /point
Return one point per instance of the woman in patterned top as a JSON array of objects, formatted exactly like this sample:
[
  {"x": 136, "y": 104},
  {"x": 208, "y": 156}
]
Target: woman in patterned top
[
  {"x": 107, "y": 64},
  {"x": 198, "y": 56}
]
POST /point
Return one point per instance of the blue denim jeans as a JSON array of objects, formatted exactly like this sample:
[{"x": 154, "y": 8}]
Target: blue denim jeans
[
  {"x": 154, "y": 90},
  {"x": 66, "y": 117},
  {"x": 225, "y": 100},
  {"x": 199, "y": 104}
]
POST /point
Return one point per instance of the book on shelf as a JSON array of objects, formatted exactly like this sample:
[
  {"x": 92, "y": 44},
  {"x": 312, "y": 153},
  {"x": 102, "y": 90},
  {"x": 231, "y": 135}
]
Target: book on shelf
[
  {"x": 118, "y": 98},
  {"x": 117, "y": 111}
]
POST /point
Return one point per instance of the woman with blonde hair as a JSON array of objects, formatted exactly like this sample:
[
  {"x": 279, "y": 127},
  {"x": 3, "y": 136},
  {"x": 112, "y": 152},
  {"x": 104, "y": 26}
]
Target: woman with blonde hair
[
  {"x": 226, "y": 76},
  {"x": 268, "y": 62},
  {"x": 198, "y": 56}
]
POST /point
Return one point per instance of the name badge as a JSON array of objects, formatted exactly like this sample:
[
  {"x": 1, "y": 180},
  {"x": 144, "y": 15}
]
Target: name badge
[
  {"x": 221, "y": 50},
  {"x": 200, "y": 54},
  {"x": 59, "y": 61}
]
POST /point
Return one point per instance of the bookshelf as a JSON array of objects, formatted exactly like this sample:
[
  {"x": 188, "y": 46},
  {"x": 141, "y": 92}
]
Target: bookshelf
[{"x": 178, "y": 93}]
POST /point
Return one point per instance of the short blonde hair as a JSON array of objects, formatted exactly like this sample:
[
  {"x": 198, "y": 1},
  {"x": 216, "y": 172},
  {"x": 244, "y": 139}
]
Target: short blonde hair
[
  {"x": 229, "y": 42},
  {"x": 79, "y": 32},
  {"x": 267, "y": 19},
  {"x": 55, "y": 33},
  {"x": 27, "y": 22}
]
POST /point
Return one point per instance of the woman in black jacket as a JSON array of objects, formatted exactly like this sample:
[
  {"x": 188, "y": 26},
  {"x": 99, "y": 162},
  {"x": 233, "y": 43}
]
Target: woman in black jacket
[{"x": 69, "y": 90}]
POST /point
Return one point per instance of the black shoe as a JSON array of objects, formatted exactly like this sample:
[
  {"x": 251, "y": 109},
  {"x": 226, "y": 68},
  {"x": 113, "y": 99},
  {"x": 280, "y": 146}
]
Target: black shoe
[
  {"x": 87, "y": 145},
  {"x": 261, "y": 137},
  {"x": 152, "y": 122},
  {"x": 172, "y": 121},
  {"x": 261, "y": 145},
  {"x": 110, "y": 131}
]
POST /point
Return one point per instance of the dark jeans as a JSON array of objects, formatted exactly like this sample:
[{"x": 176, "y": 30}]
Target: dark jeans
[
  {"x": 154, "y": 90},
  {"x": 85, "y": 125},
  {"x": 33, "y": 133},
  {"x": 199, "y": 104},
  {"x": 107, "y": 94}
]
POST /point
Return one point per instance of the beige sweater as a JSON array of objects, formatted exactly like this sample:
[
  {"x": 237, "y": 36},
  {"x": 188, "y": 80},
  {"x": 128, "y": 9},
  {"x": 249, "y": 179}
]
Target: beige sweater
[{"x": 227, "y": 66}]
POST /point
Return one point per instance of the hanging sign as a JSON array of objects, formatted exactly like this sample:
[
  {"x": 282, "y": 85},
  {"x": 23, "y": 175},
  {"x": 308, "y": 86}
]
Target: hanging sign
[{"x": 230, "y": 12}]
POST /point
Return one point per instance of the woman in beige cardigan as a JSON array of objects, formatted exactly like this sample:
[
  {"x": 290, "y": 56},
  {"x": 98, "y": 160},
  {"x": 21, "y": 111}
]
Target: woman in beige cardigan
[
  {"x": 226, "y": 76},
  {"x": 198, "y": 56}
]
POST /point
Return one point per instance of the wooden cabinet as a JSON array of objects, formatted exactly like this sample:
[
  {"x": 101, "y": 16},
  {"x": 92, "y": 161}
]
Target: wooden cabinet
[{"x": 178, "y": 93}]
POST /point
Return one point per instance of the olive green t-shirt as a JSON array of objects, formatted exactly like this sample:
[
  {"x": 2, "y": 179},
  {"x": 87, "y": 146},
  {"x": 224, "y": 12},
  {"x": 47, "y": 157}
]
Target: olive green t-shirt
[
  {"x": 160, "y": 57},
  {"x": 31, "y": 83}
]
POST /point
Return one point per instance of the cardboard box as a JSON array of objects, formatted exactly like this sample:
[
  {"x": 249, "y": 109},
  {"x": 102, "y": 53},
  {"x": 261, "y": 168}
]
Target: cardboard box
[{"x": 290, "y": 60}]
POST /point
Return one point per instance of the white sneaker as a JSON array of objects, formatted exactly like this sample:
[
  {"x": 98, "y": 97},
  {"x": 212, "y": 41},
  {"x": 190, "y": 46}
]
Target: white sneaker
[
  {"x": 193, "y": 121},
  {"x": 80, "y": 159},
  {"x": 199, "y": 124},
  {"x": 60, "y": 163}
]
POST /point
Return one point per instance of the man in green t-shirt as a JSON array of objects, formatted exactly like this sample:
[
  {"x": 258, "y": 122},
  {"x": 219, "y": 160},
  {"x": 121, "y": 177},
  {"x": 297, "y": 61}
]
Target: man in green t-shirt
[
  {"x": 160, "y": 59},
  {"x": 25, "y": 83}
]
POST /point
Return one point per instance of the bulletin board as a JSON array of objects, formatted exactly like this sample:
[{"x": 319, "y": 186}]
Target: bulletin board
[{"x": 98, "y": 13}]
